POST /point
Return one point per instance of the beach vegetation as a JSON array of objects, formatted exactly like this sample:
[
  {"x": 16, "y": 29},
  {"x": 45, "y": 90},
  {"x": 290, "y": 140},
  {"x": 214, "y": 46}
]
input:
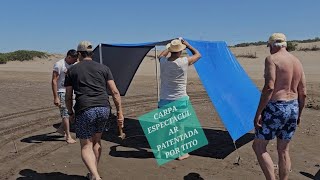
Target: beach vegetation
[
  {"x": 313, "y": 48},
  {"x": 316, "y": 39},
  {"x": 21, "y": 55},
  {"x": 247, "y": 55},
  {"x": 291, "y": 46}
]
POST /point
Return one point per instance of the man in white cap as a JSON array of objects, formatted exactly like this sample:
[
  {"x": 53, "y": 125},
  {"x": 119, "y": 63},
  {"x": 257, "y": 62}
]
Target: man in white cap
[
  {"x": 281, "y": 103},
  {"x": 90, "y": 81},
  {"x": 173, "y": 73}
]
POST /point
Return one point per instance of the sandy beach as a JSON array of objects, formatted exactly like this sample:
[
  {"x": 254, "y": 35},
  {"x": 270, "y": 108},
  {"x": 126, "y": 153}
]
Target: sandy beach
[{"x": 30, "y": 148}]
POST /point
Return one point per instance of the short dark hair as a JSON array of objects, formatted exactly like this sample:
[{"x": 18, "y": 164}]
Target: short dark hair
[{"x": 72, "y": 53}]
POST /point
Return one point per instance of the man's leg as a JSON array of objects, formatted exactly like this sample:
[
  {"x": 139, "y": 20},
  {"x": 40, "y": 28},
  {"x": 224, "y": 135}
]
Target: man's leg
[
  {"x": 284, "y": 158},
  {"x": 88, "y": 157},
  {"x": 66, "y": 125},
  {"x": 286, "y": 133},
  {"x": 96, "y": 139},
  {"x": 182, "y": 108},
  {"x": 260, "y": 148},
  {"x": 60, "y": 130},
  {"x": 182, "y": 155},
  {"x": 65, "y": 119}
]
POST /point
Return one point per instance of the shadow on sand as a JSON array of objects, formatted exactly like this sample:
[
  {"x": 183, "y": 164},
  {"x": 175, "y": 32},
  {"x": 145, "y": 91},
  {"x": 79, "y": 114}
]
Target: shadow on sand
[
  {"x": 193, "y": 176},
  {"x": 315, "y": 177},
  {"x": 28, "y": 174},
  {"x": 52, "y": 136},
  {"x": 43, "y": 138},
  {"x": 219, "y": 147}
]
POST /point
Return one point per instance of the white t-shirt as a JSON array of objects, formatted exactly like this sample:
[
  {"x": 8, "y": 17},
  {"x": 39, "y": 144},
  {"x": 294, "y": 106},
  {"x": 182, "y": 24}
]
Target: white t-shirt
[
  {"x": 61, "y": 68},
  {"x": 173, "y": 76}
]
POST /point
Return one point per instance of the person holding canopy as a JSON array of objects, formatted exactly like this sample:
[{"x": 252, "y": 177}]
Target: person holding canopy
[{"x": 173, "y": 73}]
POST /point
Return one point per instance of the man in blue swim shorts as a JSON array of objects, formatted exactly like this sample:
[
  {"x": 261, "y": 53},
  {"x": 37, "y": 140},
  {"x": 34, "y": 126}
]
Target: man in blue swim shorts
[
  {"x": 91, "y": 82},
  {"x": 279, "y": 119},
  {"x": 281, "y": 103}
]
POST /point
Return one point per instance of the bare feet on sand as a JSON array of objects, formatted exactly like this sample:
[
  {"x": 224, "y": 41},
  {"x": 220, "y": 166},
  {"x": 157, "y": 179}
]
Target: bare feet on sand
[
  {"x": 90, "y": 177},
  {"x": 185, "y": 156},
  {"x": 70, "y": 140}
]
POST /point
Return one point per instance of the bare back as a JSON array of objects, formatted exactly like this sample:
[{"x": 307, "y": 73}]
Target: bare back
[{"x": 288, "y": 75}]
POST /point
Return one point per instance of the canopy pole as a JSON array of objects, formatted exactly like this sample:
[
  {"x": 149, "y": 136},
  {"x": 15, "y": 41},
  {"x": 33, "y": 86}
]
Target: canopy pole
[
  {"x": 238, "y": 158},
  {"x": 100, "y": 53},
  {"x": 157, "y": 78}
]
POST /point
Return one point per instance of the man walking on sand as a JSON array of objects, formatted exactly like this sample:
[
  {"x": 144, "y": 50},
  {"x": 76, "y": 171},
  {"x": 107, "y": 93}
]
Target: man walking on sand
[
  {"x": 90, "y": 80},
  {"x": 59, "y": 70},
  {"x": 173, "y": 74},
  {"x": 281, "y": 103}
]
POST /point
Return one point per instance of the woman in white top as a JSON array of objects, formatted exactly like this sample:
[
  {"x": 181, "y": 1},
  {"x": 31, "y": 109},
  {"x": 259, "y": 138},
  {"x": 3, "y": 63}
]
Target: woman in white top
[{"x": 173, "y": 73}]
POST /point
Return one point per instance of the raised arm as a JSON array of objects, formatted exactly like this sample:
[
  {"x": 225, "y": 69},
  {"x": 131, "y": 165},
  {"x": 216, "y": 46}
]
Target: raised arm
[
  {"x": 163, "y": 54},
  {"x": 195, "y": 53}
]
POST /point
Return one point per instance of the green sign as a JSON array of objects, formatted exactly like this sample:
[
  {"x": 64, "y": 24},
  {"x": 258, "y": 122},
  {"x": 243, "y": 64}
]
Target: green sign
[{"x": 173, "y": 130}]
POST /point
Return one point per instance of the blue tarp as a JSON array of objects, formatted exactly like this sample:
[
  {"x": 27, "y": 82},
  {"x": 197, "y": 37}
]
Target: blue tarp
[{"x": 230, "y": 89}]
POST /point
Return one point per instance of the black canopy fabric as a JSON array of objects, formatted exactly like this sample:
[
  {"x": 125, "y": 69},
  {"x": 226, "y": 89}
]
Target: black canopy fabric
[{"x": 123, "y": 60}]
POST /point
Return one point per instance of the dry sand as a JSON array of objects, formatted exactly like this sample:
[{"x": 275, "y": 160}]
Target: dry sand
[{"x": 29, "y": 119}]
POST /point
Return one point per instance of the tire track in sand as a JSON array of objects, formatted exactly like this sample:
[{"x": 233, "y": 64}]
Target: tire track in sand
[
  {"x": 26, "y": 113},
  {"x": 38, "y": 150}
]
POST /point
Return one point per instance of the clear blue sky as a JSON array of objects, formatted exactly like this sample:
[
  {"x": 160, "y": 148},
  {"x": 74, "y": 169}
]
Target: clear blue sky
[{"x": 59, "y": 25}]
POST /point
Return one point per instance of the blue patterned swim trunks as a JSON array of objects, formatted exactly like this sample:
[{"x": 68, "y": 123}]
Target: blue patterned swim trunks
[
  {"x": 91, "y": 121},
  {"x": 279, "y": 118}
]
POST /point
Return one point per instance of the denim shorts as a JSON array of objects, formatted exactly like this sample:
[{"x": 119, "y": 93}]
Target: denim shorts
[
  {"x": 91, "y": 121},
  {"x": 279, "y": 118},
  {"x": 63, "y": 109},
  {"x": 181, "y": 101}
]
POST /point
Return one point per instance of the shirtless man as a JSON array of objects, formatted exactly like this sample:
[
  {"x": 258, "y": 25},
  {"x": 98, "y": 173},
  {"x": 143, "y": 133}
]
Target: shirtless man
[{"x": 281, "y": 103}]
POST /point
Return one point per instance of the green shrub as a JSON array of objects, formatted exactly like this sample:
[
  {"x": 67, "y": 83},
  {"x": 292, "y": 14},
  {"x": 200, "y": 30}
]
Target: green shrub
[
  {"x": 21, "y": 55},
  {"x": 316, "y": 39},
  {"x": 2, "y": 60},
  {"x": 251, "y": 44},
  {"x": 313, "y": 48},
  {"x": 291, "y": 46},
  {"x": 248, "y": 55}
]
